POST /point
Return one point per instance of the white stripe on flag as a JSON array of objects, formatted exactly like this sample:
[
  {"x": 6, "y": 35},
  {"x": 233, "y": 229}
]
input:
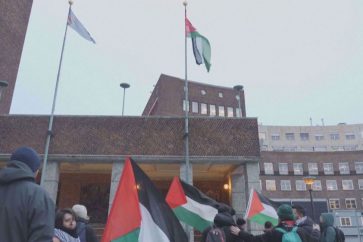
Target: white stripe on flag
[
  {"x": 204, "y": 211},
  {"x": 269, "y": 211},
  {"x": 75, "y": 24},
  {"x": 150, "y": 231}
]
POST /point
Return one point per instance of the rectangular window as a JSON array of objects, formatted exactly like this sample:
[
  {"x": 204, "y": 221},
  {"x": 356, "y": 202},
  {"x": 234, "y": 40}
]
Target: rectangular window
[
  {"x": 360, "y": 184},
  {"x": 285, "y": 185},
  {"x": 350, "y": 203},
  {"x": 344, "y": 168},
  {"x": 328, "y": 168},
  {"x": 313, "y": 168},
  {"x": 347, "y": 185},
  {"x": 238, "y": 113},
  {"x": 270, "y": 185},
  {"x": 334, "y": 203},
  {"x": 269, "y": 168},
  {"x": 221, "y": 111},
  {"x": 195, "y": 108},
  {"x": 275, "y": 137},
  {"x": 350, "y": 136},
  {"x": 334, "y": 136},
  {"x": 212, "y": 110},
  {"x": 319, "y": 137},
  {"x": 203, "y": 108},
  {"x": 317, "y": 185},
  {"x": 359, "y": 167},
  {"x": 283, "y": 169},
  {"x": 298, "y": 168},
  {"x": 304, "y": 136},
  {"x": 300, "y": 185},
  {"x": 331, "y": 185},
  {"x": 230, "y": 112},
  {"x": 345, "y": 221},
  {"x": 290, "y": 136},
  {"x": 185, "y": 105}
]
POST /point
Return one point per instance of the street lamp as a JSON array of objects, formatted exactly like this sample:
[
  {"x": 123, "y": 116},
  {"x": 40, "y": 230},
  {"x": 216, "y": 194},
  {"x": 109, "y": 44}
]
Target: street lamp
[
  {"x": 124, "y": 86},
  {"x": 309, "y": 180},
  {"x": 239, "y": 88},
  {"x": 3, "y": 85}
]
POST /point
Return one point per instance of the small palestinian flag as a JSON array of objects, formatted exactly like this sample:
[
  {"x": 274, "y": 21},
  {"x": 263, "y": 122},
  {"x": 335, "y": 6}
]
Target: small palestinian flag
[
  {"x": 190, "y": 205},
  {"x": 260, "y": 209},
  {"x": 139, "y": 213}
]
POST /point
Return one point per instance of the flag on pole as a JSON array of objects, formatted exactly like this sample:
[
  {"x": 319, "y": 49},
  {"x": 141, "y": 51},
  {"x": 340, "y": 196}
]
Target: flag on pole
[
  {"x": 260, "y": 209},
  {"x": 75, "y": 24},
  {"x": 201, "y": 46},
  {"x": 190, "y": 205},
  {"x": 139, "y": 213}
]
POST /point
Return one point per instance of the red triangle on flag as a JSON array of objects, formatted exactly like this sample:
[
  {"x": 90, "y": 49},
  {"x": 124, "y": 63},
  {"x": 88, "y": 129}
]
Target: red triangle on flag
[
  {"x": 256, "y": 206},
  {"x": 176, "y": 196}
]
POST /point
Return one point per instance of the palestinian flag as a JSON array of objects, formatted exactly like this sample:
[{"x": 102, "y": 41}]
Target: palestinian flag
[
  {"x": 201, "y": 46},
  {"x": 190, "y": 205},
  {"x": 260, "y": 209},
  {"x": 139, "y": 213}
]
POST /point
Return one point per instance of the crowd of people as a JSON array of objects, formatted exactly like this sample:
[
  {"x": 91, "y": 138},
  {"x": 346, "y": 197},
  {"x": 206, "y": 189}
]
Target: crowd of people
[{"x": 27, "y": 213}]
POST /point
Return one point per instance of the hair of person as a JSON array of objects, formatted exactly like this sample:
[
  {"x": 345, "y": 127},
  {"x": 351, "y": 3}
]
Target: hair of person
[
  {"x": 240, "y": 221},
  {"x": 299, "y": 209},
  {"x": 60, "y": 216},
  {"x": 268, "y": 225}
]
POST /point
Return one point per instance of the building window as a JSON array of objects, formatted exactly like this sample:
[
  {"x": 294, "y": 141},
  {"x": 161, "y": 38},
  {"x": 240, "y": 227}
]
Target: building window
[
  {"x": 313, "y": 168},
  {"x": 203, "y": 92},
  {"x": 360, "y": 184},
  {"x": 334, "y": 136},
  {"x": 334, "y": 203},
  {"x": 347, "y": 185},
  {"x": 285, "y": 185},
  {"x": 350, "y": 203},
  {"x": 345, "y": 221},
  {"x": 319, "y": 137},
  {"x": 283, "y": 169},
  {"x": 269, "y": 168},
  {"x": 350, "y": 136},
  {"x": 290, "y": 136},
  {"x": 238, "y": 113},
  {"x": 270, "y": 185},
  {"x": 230, "y": 112},
  {"x": 185, "y": 105},
  {"x": 316, "y": 185},
  {"x": 298, "y": 168},
  {"x": 344, "y": 168},
  {"x": 328, "y": 168},
  {"x": 359, "y": 167},
  {"x": 331, "y": 185},
  {"x": 203, "y": 108},
  {"x": 221, "y": 111},
  {"x": 320, "y": 148},
  {"x": 195, "y": 108},
  {"x": 275, "y": 137},
  {"x": 220, "y": 94},
  {"x": 212, "y": 110},
  {"x": 300, "y": 185},
  {"x": 304, "y": 136}
]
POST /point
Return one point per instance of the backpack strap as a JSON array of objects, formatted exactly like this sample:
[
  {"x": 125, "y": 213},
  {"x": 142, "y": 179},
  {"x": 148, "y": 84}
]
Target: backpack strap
[{"x": 281, "y": 230}]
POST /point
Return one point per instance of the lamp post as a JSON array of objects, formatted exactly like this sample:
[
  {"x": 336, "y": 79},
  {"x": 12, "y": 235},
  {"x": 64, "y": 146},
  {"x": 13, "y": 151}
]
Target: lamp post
[
  {"x": 3, "y": 85},
  {"x": 239, "y": 88},
  {"x": 309, "y": 180},
  {"x": 124, "y": 86}
]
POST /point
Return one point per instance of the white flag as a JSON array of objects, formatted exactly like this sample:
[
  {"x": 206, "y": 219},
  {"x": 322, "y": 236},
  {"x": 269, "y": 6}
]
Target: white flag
[{"x": 78, "y": 27}]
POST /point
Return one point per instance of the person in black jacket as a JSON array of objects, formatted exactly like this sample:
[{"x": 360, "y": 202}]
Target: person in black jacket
[
  {"x": 305, "y": 223},
  {"x": 84, "y": 230},
  {"x": 286, "y": 222},
  {"x": 26, "y": 210}
]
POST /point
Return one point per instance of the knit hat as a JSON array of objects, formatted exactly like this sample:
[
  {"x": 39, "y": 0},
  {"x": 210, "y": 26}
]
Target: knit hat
[
  {"x": 80, "y": 211},
  {"x": 285, "y": 212},
  {"x": 28, "y": 156}
]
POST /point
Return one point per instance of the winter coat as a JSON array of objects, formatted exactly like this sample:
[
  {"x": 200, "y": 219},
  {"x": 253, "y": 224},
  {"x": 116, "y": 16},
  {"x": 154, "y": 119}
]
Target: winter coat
[
  {"x": 223, "y": 221},
  {"x": 310, "y": 234},
  {"x": 327, "y": 229},
  {"x": 85, "y": 231},
  {"x": 26, "y": 210},
  {"x": 270, "y": 236}
]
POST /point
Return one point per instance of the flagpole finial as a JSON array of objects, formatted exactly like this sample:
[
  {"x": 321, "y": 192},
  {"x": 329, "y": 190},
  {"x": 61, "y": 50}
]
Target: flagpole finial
[
  {"x": 185, "y": 3},
  {"x": 70, "y": 2}
]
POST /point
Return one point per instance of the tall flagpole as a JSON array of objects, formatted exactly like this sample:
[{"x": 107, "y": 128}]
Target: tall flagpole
[
  {"x": 186, "y": 134},
  {"x": 50, "y": 127}
]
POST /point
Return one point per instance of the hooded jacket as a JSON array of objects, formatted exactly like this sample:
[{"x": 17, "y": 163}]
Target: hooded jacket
[
  {"x": 310, "y": 234},
  {"x": 26, "y": 210},
  {"x": 222, "y": 220},
  {"x": 327, "y": 229}
]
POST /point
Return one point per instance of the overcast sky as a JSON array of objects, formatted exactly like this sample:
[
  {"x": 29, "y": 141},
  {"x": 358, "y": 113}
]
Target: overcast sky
[{"x": 296, "y": 59}]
